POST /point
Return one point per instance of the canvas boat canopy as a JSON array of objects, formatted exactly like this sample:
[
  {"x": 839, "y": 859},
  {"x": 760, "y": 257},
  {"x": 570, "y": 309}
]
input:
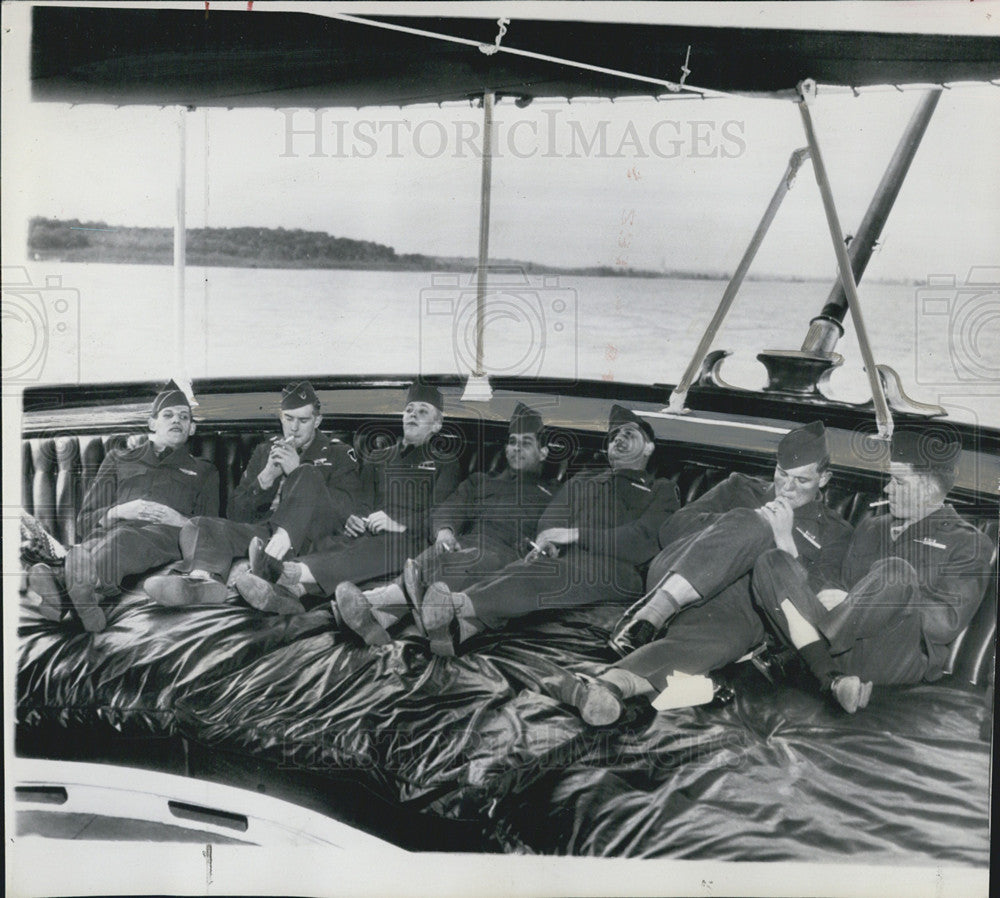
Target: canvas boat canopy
[{"x": 258, "y": 57}]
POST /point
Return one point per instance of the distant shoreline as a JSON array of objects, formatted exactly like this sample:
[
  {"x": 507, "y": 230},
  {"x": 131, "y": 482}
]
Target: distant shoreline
[{"x": 247, "y": 247}]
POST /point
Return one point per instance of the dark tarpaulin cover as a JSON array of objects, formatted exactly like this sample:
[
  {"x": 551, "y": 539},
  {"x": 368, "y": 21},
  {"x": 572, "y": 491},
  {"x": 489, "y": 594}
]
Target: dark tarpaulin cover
[{"x": 778, "y": 774}]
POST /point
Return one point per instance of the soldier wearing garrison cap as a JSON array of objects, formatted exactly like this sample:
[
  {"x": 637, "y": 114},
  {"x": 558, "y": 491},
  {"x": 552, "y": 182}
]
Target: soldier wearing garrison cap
[
  {"x": 699, "y": 584},
  {"x": 389, "y": 523},
  {"x": 132, "y": 514},
  {"x": 296, "y": 490},
  {"x": 479, "y": 529},
  {"x": 592, "y": 542},
  {"x": 915, "y": 577}
]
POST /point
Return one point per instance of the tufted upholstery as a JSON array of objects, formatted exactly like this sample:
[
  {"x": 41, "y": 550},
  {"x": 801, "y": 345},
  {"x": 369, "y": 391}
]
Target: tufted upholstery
[{"x": 57, "y": 471}]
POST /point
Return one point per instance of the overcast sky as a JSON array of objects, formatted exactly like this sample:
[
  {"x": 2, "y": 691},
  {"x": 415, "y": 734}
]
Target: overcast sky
[
  {"x": 689, "y": 179},
  {"x": 636, "y": 183}
]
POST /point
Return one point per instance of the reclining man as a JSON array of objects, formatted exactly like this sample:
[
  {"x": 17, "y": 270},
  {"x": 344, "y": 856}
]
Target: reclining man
[
  {"x": 916, "y": 577},
  {"x": 133, "y": 513},
  {"x": 593, "y": 539},
  {"x": 482, "y": 527},
  {"x": 296, "y": 490},
  {"x": 701, "y": 581},
  {"x": 401, "y": 483}
]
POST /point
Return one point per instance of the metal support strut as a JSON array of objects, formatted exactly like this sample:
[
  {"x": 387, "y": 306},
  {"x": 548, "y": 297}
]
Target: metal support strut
[
  {"x": 478, "y": 389},
  {"x": 180, "y": 241},
  {"x": 825, "y": 329},
  {"x": 679, "y": 394},
  {"x": 883, "y": 417}
]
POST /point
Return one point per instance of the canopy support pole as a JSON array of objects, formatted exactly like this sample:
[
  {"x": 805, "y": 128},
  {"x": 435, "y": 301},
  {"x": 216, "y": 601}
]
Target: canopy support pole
[
  {"x": 180, "y": 243},
  {"x": 477, "y": 388},
  {"x": 825, "y": 329},
  {"x": 883, "y": 417},
  {"x": 679, "y": 394}
]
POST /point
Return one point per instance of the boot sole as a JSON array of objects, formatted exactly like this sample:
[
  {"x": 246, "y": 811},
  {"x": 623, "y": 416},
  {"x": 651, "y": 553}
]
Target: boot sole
[
  {"x": 356, "y": 613},
  {"x": 264, "y": 596},
  {"x": 598, "y": 704},
  {"x": 439, "y": 636}
]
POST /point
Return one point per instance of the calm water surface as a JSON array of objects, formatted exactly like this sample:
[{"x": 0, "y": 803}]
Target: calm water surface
[{"x": 117, "y": 322}]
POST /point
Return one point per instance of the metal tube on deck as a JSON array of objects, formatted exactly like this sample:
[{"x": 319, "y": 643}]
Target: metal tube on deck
[
  {"x": 883, "y": 416},
  {"x": 180, "y": 239},
  {"x": 823, "y": 333},
  {"x": 679, "y": 394}
]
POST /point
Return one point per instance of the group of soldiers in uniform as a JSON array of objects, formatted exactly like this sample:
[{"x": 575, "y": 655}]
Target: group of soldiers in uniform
[{"x": 709, "y": 583}]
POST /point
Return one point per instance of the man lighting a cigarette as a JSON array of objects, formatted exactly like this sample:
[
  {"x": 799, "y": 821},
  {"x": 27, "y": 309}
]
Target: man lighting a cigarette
[
  {"x": 296, "y": 490},
  {"x": 917, "y": 575}
]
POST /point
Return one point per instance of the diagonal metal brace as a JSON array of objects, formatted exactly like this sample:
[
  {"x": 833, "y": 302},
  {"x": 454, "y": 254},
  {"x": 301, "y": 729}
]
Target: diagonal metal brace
[
  {"x": 679, "y": 395},
  {"x": 883, "y": 417}
]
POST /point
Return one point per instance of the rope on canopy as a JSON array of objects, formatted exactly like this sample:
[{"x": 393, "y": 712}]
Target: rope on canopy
[{"x": 672, "y": 86}]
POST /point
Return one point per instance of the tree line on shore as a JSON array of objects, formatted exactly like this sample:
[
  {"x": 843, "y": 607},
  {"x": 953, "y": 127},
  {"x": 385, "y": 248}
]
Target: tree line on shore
[{"x": 72, "y": 240}]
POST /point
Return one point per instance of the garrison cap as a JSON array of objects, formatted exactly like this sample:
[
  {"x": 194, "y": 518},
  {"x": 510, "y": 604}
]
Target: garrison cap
[
  {"x": 425, "y": 393},
  {"x": 170, "y": 395},
  {"x": 525, "y": 420},
  {"x": 805, "y": 445},
  {"x": 928, "y": 449},
  {"x": 297, "y": 395},
  {"x": 620, "y": 416}
]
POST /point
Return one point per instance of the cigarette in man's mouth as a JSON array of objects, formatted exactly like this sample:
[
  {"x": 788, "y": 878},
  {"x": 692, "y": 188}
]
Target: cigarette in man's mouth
[{"x": 878, "y": 503}]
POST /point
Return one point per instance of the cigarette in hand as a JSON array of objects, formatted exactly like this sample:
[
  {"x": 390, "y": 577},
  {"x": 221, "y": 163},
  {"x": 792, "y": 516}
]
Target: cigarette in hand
[{"x": 878, "y": 503}]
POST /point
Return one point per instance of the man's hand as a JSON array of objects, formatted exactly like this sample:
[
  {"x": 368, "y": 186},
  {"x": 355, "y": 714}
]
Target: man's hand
[
  {"x": 779, "y": 516},
  {"x": 284, "y": 456},
  {"x": 147, "y": 511},
  {"x": 270, "y": 472},
  {"x": 355, "y": 526},
  {"x": 127, "y": 511},
  {"x": 380, "y": 522},
  {"x": 446, "y": 541},
  {"x": 549, "y": 542},
  {"x": 559, "y": 536},
  {"x": 831, "y": 598}
]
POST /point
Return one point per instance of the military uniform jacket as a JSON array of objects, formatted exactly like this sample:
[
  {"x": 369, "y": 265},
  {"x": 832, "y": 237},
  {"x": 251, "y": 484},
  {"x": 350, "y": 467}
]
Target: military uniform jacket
[
  {"x": 250, "y": 503},
  {"x": 821, "y": 535},
  {"x": 406, "y": 482},
  {"x": 952, "y": 561},
  {"x": 187, "y": 484},
  {"x": 618, "y": 513},
  {"x": 503, "y": 508}
]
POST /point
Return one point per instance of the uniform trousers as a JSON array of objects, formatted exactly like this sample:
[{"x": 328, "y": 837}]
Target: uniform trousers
[
  {"x": 716, "y": 556},
  {"x": 127, "y": 547},
  {"x": 361, "y": 558},
  {"x": 573, "y": 580},
  {"x": 306, "y": 512},
  {"x": 702, "y": 638},
  {"x": 875, "y": 633},
  {"x": 460, "y": 569}
]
